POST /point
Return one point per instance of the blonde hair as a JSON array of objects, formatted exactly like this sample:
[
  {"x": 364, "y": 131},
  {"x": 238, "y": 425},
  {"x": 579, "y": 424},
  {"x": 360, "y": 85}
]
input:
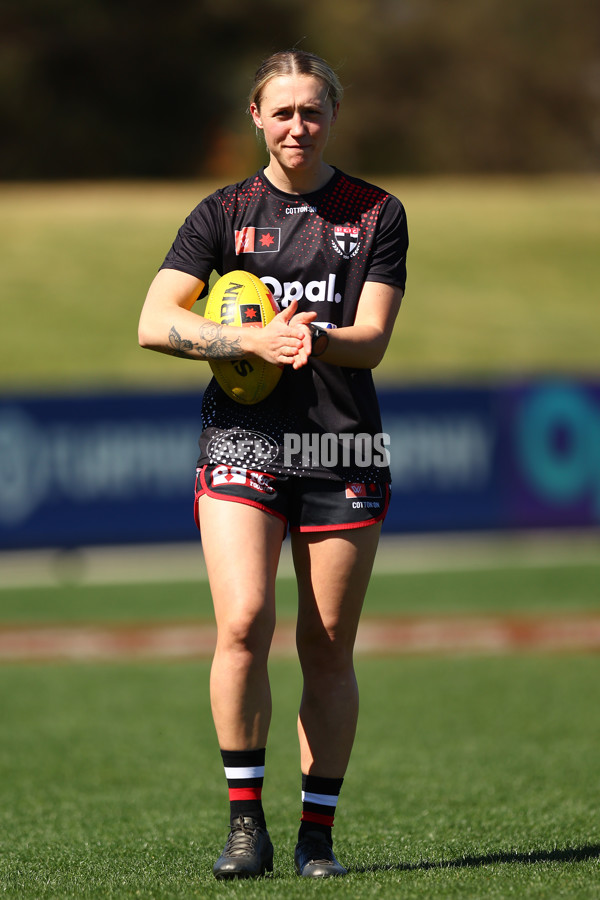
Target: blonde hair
[{"x": 295, "y": 62}]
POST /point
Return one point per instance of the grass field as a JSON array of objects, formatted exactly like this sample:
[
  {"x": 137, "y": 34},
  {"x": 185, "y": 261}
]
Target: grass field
[
  {"x": 502, "y": 281},
  {"x": 549, "y": 588},
  {"x": 470, "y": 778},
  {"x": 473, "y": 776}
]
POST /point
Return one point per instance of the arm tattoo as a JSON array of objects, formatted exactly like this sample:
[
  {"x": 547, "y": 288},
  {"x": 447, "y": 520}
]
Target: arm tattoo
[
  {"x": 178, "y": 345},
  {"x": 212, "y": 344}
]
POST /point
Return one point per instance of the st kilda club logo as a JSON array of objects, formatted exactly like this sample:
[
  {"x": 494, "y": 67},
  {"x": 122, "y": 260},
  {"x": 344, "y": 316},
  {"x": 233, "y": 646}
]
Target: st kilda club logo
[{"x": 346, "y": 240}]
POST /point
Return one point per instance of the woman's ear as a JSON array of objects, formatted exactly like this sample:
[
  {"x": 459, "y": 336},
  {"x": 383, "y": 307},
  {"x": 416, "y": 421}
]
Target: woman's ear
[{"x": 254, "y": 112}]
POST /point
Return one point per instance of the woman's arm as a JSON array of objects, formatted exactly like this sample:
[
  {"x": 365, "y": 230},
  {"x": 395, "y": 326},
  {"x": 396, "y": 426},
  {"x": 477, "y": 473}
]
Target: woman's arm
[
  {"x": 168, "y": 325},
  {"x": 363, "y": 345}
]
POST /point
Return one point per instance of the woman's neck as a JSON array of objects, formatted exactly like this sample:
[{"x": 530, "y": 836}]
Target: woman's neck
[{"x": 298, "y": 181}]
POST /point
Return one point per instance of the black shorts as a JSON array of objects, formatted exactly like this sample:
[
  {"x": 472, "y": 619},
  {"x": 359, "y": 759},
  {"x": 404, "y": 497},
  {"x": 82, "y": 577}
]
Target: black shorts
[{"x": 303, "y": 504}]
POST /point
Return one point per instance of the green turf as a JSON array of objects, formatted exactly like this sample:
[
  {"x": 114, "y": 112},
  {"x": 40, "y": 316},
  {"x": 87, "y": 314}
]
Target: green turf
[
  {"x": 470, "y": 778},
  {"x": 509, "y": 589},
  {"x": 500, "y": 276}
]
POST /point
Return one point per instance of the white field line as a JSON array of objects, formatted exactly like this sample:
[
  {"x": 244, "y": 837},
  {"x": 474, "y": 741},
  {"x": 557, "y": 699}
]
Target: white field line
[{"x": 407, "y": 553}]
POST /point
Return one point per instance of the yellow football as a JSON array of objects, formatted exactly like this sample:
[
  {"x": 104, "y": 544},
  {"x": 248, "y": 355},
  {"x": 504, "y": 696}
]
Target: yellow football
[{"x": 242, "y": 300}]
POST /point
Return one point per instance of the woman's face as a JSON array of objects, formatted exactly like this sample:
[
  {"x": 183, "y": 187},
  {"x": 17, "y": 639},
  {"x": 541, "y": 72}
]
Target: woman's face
[{"x": 295, "y": 115}]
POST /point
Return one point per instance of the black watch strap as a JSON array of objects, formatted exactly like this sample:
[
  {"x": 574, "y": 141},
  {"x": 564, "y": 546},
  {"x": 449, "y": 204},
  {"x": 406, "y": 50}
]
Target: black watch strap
[{"x": 320, "y": 339}]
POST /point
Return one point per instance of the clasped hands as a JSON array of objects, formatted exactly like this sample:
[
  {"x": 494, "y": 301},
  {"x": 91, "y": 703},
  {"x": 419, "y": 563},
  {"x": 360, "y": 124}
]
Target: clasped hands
[{"x": 286, "y": 340}]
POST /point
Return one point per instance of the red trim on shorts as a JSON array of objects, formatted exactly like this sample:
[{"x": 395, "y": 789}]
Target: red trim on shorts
[
  {"x": 197, "y": 496},
  {"x": 245, "y": 793},
  {"x": 348, "y": 525},
  {"x": 216, "y": 496},
  {"x": 308, "y": 816}
]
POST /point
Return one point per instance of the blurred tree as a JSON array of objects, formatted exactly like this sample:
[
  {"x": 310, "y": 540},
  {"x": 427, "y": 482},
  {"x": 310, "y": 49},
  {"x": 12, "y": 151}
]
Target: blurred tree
[
  {"x": 112, "y": 88},
  {"x": 487, "y": 86}
]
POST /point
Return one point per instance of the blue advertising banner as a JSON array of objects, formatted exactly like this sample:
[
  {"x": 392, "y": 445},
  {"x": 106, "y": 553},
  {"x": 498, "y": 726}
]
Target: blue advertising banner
[
  {"x": 444, "y": 458},
  {"x": 552, "y": 464},
  {"x": 119, "y": 468},
  {"x": 508, "y": 456},
  {"x": 97, "y": 470}
]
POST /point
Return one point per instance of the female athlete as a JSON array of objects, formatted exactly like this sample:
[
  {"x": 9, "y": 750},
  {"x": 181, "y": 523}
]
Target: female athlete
[{"x": 310, "y": 458}]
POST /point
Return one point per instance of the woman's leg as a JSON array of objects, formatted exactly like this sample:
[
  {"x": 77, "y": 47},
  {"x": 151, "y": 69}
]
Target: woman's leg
[
  {"x": 333, "y": 573},
  {"x": 241, "y": 547}
]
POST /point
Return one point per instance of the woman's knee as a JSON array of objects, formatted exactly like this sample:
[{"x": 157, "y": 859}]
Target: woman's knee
[
  {"x": 246, "y": 633},
  {"x": 328, "y": 651}
]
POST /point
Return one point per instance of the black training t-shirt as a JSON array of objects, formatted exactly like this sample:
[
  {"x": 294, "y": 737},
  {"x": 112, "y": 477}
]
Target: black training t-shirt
[{"x": 319, "y": 249}]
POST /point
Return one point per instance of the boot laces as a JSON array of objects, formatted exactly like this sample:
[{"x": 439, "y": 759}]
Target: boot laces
[{"x": 242, "y": 839}]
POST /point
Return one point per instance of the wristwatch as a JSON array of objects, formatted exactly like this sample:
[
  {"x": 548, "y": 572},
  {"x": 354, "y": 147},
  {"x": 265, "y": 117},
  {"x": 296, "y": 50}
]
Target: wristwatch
[{"x": 320, "y": 339}]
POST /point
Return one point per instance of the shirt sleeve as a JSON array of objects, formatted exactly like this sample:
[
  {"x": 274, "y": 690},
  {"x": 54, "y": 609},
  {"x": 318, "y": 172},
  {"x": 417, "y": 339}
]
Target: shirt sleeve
[
  {"x": 197, "y": 248},
  {"x": 388, "y": 259}
]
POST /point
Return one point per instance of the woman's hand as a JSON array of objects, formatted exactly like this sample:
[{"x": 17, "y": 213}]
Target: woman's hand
[
  {"x": 304, "y": 351},
  {"x": 168, "y": 325},
  {"x": 286, "y": 339}
]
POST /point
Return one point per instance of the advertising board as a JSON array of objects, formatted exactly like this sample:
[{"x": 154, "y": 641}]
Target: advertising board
[{"x": 84, "y": 470}]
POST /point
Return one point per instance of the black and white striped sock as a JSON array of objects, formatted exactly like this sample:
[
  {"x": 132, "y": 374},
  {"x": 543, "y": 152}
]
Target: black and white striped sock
[
  {"x": 245, "y": 771},
  {"x": 319, "y": 802}
]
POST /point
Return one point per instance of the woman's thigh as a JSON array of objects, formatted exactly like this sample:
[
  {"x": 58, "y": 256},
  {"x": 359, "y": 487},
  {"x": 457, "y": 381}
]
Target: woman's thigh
[
  {"x": 241, "y": 546},
  {"x": 333, "y": 571}
]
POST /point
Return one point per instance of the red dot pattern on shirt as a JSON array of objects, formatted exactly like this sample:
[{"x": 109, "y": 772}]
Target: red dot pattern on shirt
[{"x": 347, "y": 202}]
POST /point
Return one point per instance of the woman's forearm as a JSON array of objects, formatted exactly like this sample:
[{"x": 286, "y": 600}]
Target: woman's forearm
[{"x": 355, "y": 347}]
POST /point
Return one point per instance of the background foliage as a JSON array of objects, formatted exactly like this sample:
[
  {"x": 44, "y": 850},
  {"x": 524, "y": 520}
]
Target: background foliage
[{"x": 106, "y": 89}]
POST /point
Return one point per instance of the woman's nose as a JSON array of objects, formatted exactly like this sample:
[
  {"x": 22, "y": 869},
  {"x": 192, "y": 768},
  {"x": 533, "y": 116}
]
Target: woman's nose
[{"x": 297, "y": 126}]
